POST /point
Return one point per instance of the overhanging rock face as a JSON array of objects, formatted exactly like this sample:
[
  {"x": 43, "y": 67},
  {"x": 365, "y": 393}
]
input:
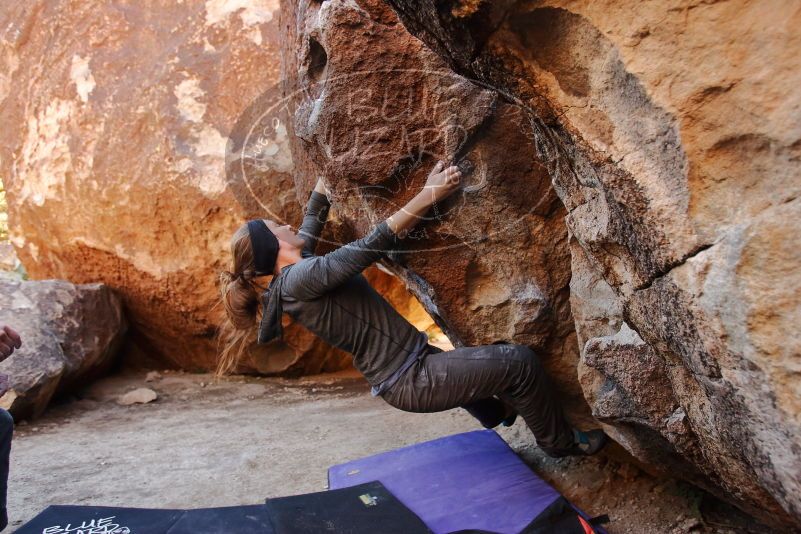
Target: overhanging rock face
[
  {"x": 372, "y": 109},
  {"x": 644, "y": 156}
]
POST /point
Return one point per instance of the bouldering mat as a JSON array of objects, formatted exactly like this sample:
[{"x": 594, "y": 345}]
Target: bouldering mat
[
  {"x": 366, "y": 508},
  {"x": 253, "y": 519},
  {"x": 471, "y": 481},
  {"x": 100, "y": 520}
]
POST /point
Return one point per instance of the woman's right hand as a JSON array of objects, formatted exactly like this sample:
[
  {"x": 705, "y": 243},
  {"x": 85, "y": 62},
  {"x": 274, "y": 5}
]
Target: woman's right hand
[{"x": 441, "y": 182}]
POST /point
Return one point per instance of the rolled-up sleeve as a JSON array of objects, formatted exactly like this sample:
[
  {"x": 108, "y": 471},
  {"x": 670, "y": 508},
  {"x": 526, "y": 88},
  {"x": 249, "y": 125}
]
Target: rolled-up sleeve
[
  {"x": 316, "y": 275},
  {"x": 313, "y": 221}
]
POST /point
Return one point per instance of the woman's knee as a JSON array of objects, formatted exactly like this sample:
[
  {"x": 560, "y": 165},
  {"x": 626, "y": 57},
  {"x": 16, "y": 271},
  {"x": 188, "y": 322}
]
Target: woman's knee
[
  {"x": 527, "y": 357},
  {"x": 400, "y": 398}
]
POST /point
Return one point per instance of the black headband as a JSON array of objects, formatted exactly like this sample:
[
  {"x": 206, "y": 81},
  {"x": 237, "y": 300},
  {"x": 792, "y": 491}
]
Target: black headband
[{"x": 265, "y": 247}]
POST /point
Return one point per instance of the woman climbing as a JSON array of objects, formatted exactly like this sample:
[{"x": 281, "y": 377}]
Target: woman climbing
[{"x": 329, "y": 296}]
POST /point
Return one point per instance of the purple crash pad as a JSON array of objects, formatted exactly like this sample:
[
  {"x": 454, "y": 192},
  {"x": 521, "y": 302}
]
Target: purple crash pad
[{"x": 465, "y": 481}]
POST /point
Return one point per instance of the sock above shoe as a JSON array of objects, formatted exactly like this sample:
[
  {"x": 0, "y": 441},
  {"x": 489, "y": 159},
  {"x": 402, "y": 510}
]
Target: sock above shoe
[
  {"x": 581, "y": 440},
  {"x": 584, "y": 444},
  {"x": 589, "y": 442}
]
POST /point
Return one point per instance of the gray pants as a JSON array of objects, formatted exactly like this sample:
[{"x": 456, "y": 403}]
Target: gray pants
[{"x": 469, "y": 376}]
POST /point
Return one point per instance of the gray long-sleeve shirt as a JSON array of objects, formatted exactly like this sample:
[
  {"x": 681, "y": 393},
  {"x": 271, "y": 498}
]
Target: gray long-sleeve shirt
[{"x": 330, "y": 297}]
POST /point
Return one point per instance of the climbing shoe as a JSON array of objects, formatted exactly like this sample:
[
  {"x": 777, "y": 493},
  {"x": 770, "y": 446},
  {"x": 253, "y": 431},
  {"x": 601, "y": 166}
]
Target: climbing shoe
[{"x": 584, "y": 444}]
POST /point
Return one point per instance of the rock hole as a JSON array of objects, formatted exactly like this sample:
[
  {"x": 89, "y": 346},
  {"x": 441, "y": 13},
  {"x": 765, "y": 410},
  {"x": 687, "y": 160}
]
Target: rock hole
[{"x": 318, "y": 61}]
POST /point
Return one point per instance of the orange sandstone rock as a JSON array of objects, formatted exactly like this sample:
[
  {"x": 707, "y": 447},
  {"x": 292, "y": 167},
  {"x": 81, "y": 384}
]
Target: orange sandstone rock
[{"x": 113, "y": 156}]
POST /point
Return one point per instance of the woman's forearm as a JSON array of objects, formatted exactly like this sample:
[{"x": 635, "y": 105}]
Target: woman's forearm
[{"x": 409, "y": 215}]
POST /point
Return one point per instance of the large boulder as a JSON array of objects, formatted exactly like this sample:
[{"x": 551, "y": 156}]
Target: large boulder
[
  {"x": 114, "y": 171},
  {"x": 115, "y": 168},
  {"x": 371, "y": 109},
  {"x": 70, "y": 335},
  {"x": 646, "y": 155}
]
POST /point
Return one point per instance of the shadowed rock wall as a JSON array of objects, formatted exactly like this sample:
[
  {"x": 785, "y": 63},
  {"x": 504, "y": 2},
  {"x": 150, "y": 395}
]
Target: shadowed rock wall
[{"x": 371, "y": 109}]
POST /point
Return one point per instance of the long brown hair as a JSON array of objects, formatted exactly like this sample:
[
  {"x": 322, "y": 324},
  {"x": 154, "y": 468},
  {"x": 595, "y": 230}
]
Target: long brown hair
[{"x": 240, "y": 298}]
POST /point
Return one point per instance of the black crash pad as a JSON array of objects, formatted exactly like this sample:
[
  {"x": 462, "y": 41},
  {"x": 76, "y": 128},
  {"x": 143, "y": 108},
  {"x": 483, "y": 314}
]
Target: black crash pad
[
  {"x": 363, "y": 509},
  {"x": 109, "y": 520},
  {"x": 239, "y": 519},
  {"x": 100, "y": 520}
]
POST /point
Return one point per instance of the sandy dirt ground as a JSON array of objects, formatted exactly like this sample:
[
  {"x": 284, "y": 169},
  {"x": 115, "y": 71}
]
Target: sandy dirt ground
[{"x": 210, "y": 443}]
